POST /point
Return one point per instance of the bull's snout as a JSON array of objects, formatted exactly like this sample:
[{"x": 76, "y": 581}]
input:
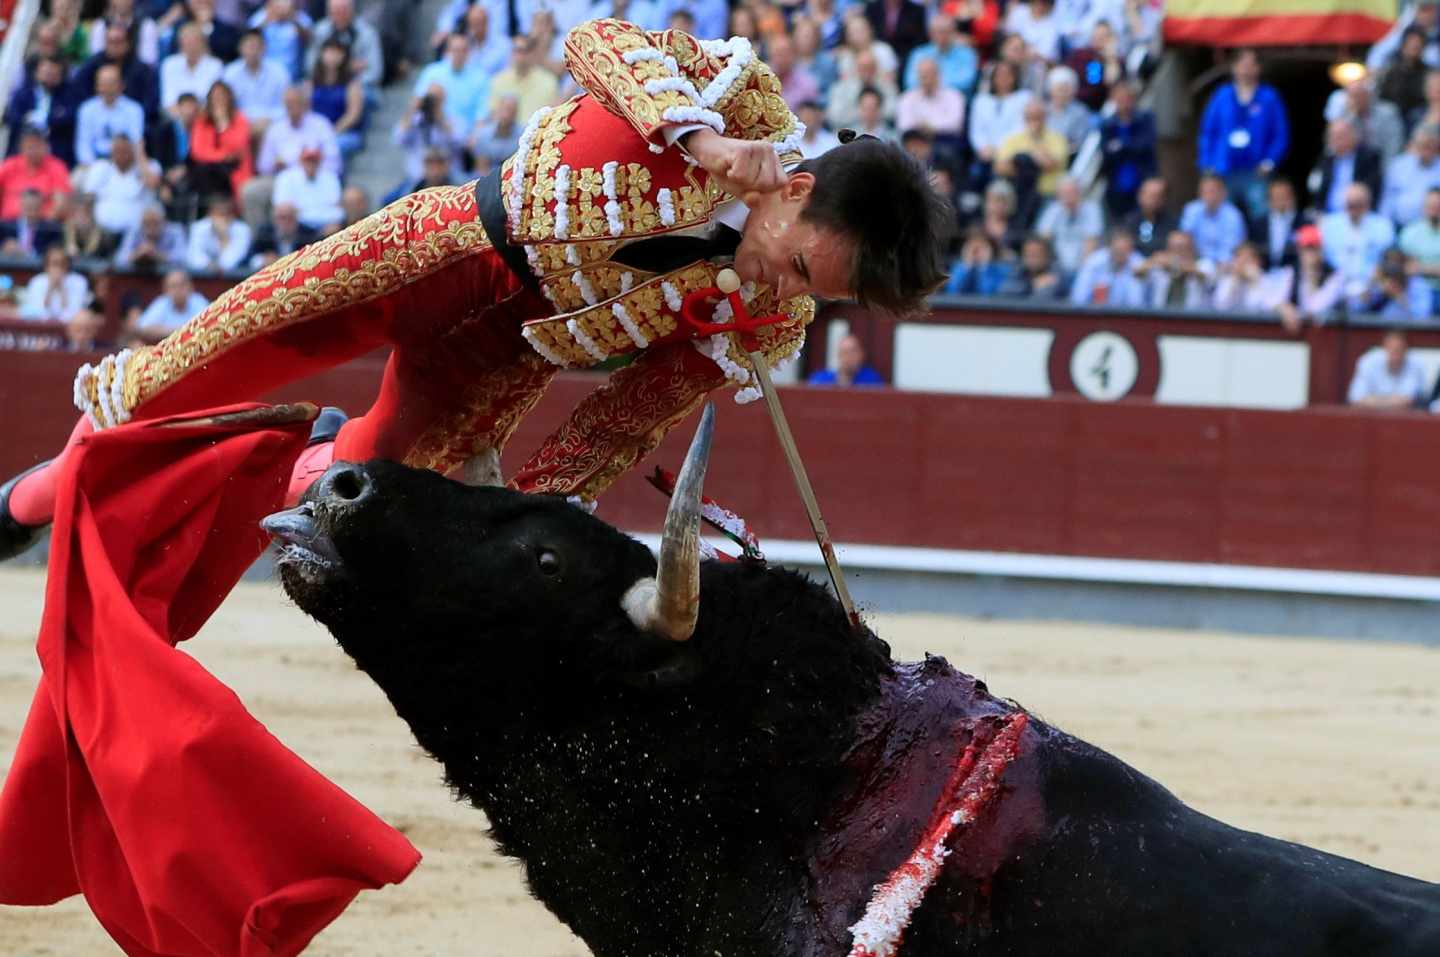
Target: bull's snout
[{"x": 344, "y": 485}]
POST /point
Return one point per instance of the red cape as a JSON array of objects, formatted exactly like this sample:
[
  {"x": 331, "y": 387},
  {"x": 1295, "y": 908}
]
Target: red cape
[{"x": 140, "y": 780}]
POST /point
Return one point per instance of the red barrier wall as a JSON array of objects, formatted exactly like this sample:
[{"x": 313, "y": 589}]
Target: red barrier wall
[{"x": 1321, "y": 488}]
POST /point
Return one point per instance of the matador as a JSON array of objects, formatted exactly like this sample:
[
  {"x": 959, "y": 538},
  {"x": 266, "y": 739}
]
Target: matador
[{"x": 678, "y": 157}]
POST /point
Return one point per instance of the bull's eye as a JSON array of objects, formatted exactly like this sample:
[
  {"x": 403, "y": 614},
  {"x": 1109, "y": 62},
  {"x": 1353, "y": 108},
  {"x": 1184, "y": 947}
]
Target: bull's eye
[{"x": 549, "y": 563}]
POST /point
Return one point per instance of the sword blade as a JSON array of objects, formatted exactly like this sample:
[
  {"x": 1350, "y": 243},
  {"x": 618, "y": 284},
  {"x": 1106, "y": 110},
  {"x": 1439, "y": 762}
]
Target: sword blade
[{"x": 802, "y": 483}]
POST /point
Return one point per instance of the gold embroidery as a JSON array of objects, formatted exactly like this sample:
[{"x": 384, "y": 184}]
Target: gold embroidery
[
  {"x": 400, "y": 244},
  {"x": 486, "y": 416}
]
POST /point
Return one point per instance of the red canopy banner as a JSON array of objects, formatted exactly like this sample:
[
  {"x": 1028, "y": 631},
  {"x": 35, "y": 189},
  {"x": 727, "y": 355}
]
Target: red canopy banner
[
  {"x": 1260, "y": 23},
  {"x": 140, "y": 780}
]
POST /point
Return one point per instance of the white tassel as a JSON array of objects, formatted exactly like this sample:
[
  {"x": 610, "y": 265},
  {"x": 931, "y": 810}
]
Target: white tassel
[
  {"x": 628, "y": 324},
  {"x": 562, "y": 209},
  {"x": 517, "y": 167},
  {"x": 587, "y": 291},
  {"x": 586, "y": 343},
  {"x": 546, "y": 353},
  {"x": 672, "y": 297},
  {"x": 667, "y": 206}
]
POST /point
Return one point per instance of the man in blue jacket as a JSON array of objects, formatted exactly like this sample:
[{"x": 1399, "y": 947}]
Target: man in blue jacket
[{"x": 1244, "y": 133}]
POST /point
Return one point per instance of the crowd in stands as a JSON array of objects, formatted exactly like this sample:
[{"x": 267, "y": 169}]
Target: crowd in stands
[{"x": 211, "y": 136}]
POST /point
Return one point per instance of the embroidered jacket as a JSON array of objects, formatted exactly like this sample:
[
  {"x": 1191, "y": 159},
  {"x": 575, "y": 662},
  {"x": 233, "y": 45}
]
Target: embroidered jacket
[{"x": 597, "y": 172}]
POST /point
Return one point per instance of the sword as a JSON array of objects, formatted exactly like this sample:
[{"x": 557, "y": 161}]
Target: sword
[{"x": 729, "y": 284}]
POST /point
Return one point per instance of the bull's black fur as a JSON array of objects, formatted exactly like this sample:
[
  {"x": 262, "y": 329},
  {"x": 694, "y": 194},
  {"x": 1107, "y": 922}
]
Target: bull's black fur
[{"x": 673, "y": 799}]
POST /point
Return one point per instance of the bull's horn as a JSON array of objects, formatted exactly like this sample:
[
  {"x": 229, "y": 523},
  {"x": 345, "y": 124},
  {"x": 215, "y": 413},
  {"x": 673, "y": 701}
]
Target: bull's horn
[{"x": 669, "y": 604}]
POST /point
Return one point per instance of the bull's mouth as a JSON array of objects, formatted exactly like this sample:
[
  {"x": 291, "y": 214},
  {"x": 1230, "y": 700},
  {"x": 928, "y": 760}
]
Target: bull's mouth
[{"x": 304, "y": 545}]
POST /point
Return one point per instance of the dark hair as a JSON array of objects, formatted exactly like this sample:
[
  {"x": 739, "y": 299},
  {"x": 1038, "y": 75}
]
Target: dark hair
[
  {"x": 878, "y": 195},
  {"x": 340, "y": 76},
  {"x": 250, "y": 32}
]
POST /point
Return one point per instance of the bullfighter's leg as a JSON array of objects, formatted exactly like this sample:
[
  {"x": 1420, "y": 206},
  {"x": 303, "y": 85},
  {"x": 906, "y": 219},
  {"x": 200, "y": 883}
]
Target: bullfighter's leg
[
  {"x": 419, "y": 275},
  {"x": 621, "y": 422}
]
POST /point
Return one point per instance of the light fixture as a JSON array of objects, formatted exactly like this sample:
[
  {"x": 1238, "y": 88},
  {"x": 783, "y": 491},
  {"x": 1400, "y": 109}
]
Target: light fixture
[{"x": 1345, "y": 71}]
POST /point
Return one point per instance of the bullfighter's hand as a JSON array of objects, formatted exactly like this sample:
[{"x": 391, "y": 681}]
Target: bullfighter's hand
[{"x": 744, "y": 168}]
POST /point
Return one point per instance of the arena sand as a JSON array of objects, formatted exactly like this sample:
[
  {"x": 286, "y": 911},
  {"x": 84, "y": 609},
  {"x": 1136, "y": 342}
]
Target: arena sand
[{"x": 1334, "y": 744}]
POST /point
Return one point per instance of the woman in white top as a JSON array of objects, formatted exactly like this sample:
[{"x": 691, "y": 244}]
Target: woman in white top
[
  {"x": 997, "y": 112},
  {"x": 859, "y": 35},
  {"x": 57, "y": 294}
]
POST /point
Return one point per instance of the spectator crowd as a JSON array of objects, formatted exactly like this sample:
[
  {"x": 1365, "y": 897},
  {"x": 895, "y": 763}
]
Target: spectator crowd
[{"x": 185, "y": 137}]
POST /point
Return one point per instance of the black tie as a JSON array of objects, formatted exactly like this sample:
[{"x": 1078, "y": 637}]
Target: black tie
[{"x": 664, "y": 253}]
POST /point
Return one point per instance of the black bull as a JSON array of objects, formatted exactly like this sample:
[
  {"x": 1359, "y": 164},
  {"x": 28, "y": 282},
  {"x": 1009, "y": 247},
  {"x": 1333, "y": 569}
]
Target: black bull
[{"x": 741, "y": 792}]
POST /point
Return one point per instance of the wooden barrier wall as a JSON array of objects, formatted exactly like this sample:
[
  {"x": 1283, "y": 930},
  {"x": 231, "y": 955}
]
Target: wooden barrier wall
[{"x": 1322, "y": 488}]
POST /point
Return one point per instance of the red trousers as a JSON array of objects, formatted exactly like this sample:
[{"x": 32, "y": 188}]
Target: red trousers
[{"x": 421, "y": 277}]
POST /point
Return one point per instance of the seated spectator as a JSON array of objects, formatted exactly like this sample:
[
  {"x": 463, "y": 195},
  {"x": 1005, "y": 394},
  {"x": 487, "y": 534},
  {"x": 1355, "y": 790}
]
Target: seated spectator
[
  {"x": 192, "y": 69},
  {"x": 437, "y": 170},
  {"x": 280, "y": 237},
  {"x": 139, "y": 80},
  {"x": 1246, "y": 286},
  {"x": 220, "y": 145},
  {"x": 1378, "y": 122},
  {"x": 29, "y": 233},
  {"x": 122, "y": 15},
  {"x": 80, "y": 233},
  {"x": 1098, "y": 67},
  {"x": 1065, "y": 114},
  {"x": 1346, "y": 160},
  {"x": 337, "y": 94},
  {"x": 1420, "y": 241},
  {"x": 426, "y": 126},
  {"x": 489, "y": 49},
  {"x": 844, "y": 109},
  {"x": 171, "y": 140},
  {"x": 1037, "y": 22},
  {"x": 1034, "y": 157},
  {"x": 983, "y": 267},
  {"x": 105, "y": 115},
  {"x": 523, "y": 79},
  {"x": 170, "y": 310},
  {"x": 930, "y": 107},
  {"x": 1388, "y": 377},
  {"x": 1274, "y": 233},
  {"x": 1317, "y": 288},
  {"x": 83, "y": 332},
  {"x": 154, "y": 245},
  {"x": 1037, "y": 278},
  {"x": 1072, "y": 225},
  {"x": 284, "y": 27},
  {"x": 220, "y": 242},
  {"x": 900, "y": 23},
  {"x": 1410, "y": 176},
  {"x": 258, "y": 83},
  {"x": 997, "y": 112},
  {"x": 1397, "y": 296},
  {"x": 1424, "y": 14},
  {"x": 998, "y": 218},
  {"x": 464, "y": 92},
  {"x": 221, "y": 36},
  {"x": 495, "y": 139},
  {"x": 355, "y": 203},
  {"x": 299, "y": 129},
  {"x": 33, "y": 168},
  {"x": 1177, "y": 278},
  {"x": 45, "y": 102},
  {"x": 56, "y": 294},
  {"x": 313, "y": 190},
  {"x": 797, "y": 83},
  {"x": 818, "y": 137},
  {"x": 1403, "y": 81},
  {"x": 359, "y": 39},
  {"x": 1127, "y": 151},
  {"x": 860, "y": 40},
  {"x": 870, "y": 116},
  {"x": 951, "y": 51},
  {"x": 1214, "y": 224},
  {"x": 1244, "y": 132},
  {"x": 850, "y": 368},
  {"x": 1355, "y": 240},
  {"x": 549, "y": 41},
  {"x": 1151, "y": 222},
  {"x": 122, "y": 186},
  {"x": 1108, "y": 276}
]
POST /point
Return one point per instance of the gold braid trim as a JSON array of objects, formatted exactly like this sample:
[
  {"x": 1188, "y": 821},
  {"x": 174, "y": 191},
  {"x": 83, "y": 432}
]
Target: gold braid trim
[{"x": 401, "y": 244}]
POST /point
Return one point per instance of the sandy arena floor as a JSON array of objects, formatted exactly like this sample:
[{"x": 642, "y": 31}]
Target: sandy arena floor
[{"x": 1330, "y": 743}]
